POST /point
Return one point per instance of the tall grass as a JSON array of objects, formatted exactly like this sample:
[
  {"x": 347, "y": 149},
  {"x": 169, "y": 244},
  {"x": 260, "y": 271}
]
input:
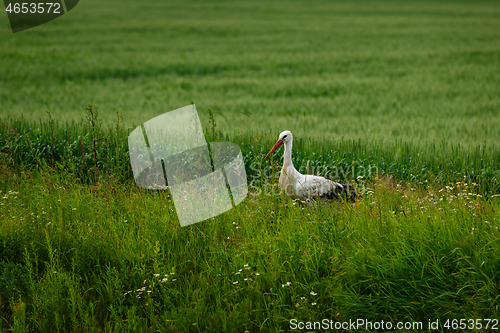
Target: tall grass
[
  {"x": 112, "y": 257},
  {"x": 72, "y": 147}
]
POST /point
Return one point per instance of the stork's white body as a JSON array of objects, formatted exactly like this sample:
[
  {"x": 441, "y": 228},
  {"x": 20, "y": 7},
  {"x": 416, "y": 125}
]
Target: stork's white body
[{"x": 297, "y": 185}]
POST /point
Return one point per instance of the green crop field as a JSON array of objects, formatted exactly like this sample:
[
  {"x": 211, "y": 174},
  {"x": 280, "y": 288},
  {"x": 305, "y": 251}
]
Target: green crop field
[{"x": 400, "y": 99}]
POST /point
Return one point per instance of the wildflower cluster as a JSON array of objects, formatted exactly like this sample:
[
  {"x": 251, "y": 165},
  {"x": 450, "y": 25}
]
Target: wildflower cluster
[
  {"x": 10, "y": 193},
  {"x": 148, "y": 287},
  {"x": 7, "y": 196},
  {"x": 459, "y": 192},
  {"x": 305, "y": 301},
  {"x": 245, "y": 275},
  {"x": 235, "y": 236}
]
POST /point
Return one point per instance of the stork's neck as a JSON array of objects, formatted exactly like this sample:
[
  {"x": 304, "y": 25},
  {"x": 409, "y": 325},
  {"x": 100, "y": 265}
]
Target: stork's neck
[{"x": 287, "y": 161}]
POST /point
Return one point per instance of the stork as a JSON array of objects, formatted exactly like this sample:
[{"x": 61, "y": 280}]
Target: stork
[{"x": 297, "y": 185}]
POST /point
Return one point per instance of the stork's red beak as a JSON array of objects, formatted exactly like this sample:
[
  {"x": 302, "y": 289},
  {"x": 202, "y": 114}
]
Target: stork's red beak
[{"x": 276, "y": 146}]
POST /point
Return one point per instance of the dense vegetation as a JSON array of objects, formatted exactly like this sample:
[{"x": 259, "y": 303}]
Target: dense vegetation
[{"x": 400, "y": 99}]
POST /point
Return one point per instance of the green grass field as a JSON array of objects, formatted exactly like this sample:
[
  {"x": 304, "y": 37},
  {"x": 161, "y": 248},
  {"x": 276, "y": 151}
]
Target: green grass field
[{"x": 400, "y": 98}]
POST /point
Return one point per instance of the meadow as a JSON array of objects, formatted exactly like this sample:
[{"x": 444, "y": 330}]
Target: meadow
[{"x": 399, "y": 99}]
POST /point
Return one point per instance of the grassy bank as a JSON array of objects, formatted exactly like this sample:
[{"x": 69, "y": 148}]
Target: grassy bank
[{"x": 112, "y": 257}]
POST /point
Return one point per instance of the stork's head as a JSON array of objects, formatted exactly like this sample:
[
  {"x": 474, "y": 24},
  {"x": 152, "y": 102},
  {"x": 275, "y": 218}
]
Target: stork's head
[{"x": 285, "y": 136}]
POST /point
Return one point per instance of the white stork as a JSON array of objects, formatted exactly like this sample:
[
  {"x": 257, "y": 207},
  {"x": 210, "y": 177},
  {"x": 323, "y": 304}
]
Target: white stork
[{"x": 297, "y": 185}]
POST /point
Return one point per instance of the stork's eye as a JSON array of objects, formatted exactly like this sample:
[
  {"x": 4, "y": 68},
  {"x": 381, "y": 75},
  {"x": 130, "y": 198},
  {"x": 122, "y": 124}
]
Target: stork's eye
[{"x": 284, "y": 136}]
